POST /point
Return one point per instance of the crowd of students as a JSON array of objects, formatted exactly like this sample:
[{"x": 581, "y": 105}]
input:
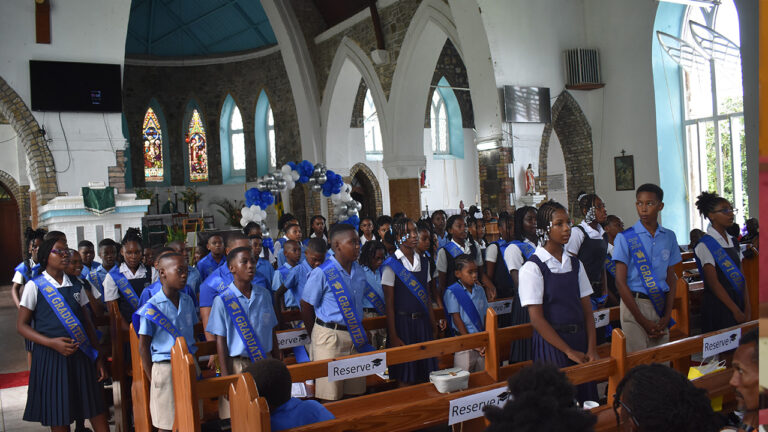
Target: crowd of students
[{"x": 402, "y": 268}]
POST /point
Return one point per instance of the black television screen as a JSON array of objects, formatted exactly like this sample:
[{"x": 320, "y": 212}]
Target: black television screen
[
  {"x": 67, "y": 86},
  {"x": 526, "y": 105}
]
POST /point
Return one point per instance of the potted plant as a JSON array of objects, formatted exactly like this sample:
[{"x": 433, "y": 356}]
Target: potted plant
[
  {"x": 230, "y": 209},
  {"x": 190, "y": 197}
]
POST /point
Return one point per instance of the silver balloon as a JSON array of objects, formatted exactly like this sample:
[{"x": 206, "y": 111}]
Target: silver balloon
[
  {"x": 278, "y": 175},
  {"x": 281, "y": 184},
  {"x": 352, "y": 212},
  {"x": 312, "y": 181},
  {"x": 268, "y": 178},
  {"x": 317, "y": 171},
  {"x": 358, "y": 205},
  {"x": 321, "y": 179},
  {"x": 340, "y": 208},
  {"x": 316, "y": 188},
  {"x": 261, "y": 186}
]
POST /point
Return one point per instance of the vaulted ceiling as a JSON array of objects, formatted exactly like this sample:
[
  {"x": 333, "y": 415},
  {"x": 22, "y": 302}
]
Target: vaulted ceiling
[{"x": 186, "y": 28}]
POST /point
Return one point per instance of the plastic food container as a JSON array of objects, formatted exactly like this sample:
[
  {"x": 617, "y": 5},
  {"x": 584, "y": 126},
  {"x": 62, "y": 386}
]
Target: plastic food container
[{"x": 450, "y": 380}]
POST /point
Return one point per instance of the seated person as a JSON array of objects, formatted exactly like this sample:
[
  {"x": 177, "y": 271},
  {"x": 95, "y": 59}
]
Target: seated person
[
  {"x": 274, "y": 384},
  {"x": 541, "y": 399}
]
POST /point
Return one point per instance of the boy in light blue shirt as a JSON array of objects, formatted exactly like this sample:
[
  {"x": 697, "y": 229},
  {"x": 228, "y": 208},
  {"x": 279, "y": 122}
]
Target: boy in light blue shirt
[
  {"x": 240, "y": 342},
  {"x": 292, "y": 252},
  {"x": 193, "y": 275},
  {"x": 644, "y": 326},
  {"x": 155, "y": 342}
]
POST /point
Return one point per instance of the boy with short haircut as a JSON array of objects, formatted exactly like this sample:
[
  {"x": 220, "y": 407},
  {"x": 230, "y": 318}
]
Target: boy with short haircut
[
  {"x": 240, "y": 342},
  {"x": 193, "y": 275},
  {"x": 155, "y": 287},
  {"x": 108, "y": 255},
  {"x": 167, "y": 315},
  {"x": 264, "y": 270},
  {"x": 293, "y": 285},
  {"x": 87, "y": 253},
  {"x": 215, "y": 257},
  {"x": 292, "y": 232},
  {"x": 645, "y": 255},
  {"x": 273, "y": 381},
  {"x": 285, "y": 300},
  {"x": 339, "y": 279}
]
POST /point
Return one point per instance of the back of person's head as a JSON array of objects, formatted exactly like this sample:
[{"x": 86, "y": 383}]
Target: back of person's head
[
  {"x": 660, "y": 399},
  {"x": 652, "y": 188},
  {"x": 338, "y": 229},
  {"x": 368, "y": 252},
  {"x": 54, "y": 235},
  {"x": 251, "y": 226},
  {"x": 284, "y": 219},
  {"x": 734, "y": 230},
  {"x": 273, "y": 381},
  {"x": 541, "y": 399},
  {"x": 696, "y": 235},
  {"x": 317, "y": 245},
  {"x": 233, "y": 238}
]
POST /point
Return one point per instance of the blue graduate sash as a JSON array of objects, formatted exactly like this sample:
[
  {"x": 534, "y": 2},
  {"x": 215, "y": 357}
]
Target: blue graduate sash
[
  {"x": 68, "y": 319},
  {"x": 409, "y": 280},
  {"x": 466, "y": 304},
  {"x": 644, "y": 267},
  {"x": 284, "y": 271},
  {"x": 344, "y": 300},
  {"x": 525, "y": 248},
  {"x": 244, "y": 328},
  {"x": 156, "y": 316},
  {"x": 375, "y": 299},
  {"x": 610, "y": 265},
  {"x": 453, "y": 249},
  {"x": 93, "y": 277},
  {"x": 28, "y": 273},
  {"x": 124, "y": 287},
  {"x": 726, "y": 264}
]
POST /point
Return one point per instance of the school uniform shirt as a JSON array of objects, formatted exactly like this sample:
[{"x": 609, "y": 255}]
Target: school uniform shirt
[
  {"x": 87, "y": 269},
  {"x": 267, "y": 256},
  {"x": 513, "y": 256},
  {"x": 492, "y": 253},
  {"x": 207, "y": 265},
  {"x": 19, "y": 277},
  {"x": 153, "y": 289},
  {"x": 110, "y": 287},
  {"x": 101, "y": 273},
  {"x": 442, "y": 261},
  {"x": 209, "y": 287},
  {"x": 442, "y": 241},
  {"x": 703, "y": 253},
  {"x": 281, "y": 255},
  {"x": 279, "y": 244},
  {"x": 260, "y": 313},
  {"x": 318, "y": 293},
  {"x": 662, "y": 250},
  {"x": 278, "y": 280},
  {"x": 88, "y": 285},
  {"x": 610, "y": 249},
  {"x": 374, "y": 280},
  {"x": 29, "y": 295},
  {"x": 478, "y": 299},
  {"x": 297, "y": 412},
  {"x": 531, "y": 286},
  {"x": 296, "y": 281},
  {"x": 388, "y": 276},
  {"x": 577, "y": 237},
  {"x": 193, "y": 279},
  {"x": 264, "y": 270},
  {"x": 364, "y": 240},
  {"x": 184, "y": 318}
]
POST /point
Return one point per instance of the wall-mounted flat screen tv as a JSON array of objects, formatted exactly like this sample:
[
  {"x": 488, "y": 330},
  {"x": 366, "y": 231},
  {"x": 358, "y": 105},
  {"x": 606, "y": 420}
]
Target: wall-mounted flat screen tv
[
  {"x": 526, "y": 105},
  {"x": 68, "y": 86}
]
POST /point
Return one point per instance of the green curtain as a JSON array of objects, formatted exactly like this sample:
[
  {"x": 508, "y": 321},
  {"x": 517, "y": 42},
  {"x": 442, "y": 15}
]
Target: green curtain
[{"x": 99, "y": 201}]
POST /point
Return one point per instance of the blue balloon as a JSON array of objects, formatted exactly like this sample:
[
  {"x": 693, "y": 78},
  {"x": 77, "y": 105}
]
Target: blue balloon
[
  {"x": 251, "y": 196},
  {"x": 302, "y": 179},
  {"x": 292, "y": 165},
  {"x": 352, "y": 220}
]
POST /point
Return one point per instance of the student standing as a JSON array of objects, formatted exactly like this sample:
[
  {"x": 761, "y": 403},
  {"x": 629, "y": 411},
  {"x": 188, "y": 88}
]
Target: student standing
[
  {"x": 613, "y": 226},
  {"x": 458, "y": 245},
  {"x": 371, "y": 258},
  {"x": 556, "y": 290},
  {"x": 243, "y": 320},
  {"x": 718, "y": 256},
  {"x": 66, "y": 368},
  {"x": 87, "y": 254},
  {"x": 646, "y": 247},
  {"x": 125, "y": 283},
  {"x": 285, "y": 220},
  {"x": 215, "y": 257},
  {"x": 156, "y": 286},
  {"x": 167, "y": 315},
  {"x": 518, "y": 251},
  {"x": 25, "y": 272},
  {"x": 366, "y": 231},
  {"x": 264, "y": 270},
  {"x": 333, "y": 333},
  {"x": 317, "y": 226},
  {"x": 495, "y": 266},
  {"x": 293, "y": 285},
  {"x": 466, "y": 304},
  {"x": 284, "y": 299},
  {"x": 108, "y": 255},
  {"x": 74, "y": 271},
  {"x": 193, "y": 275},
  {"x": 292, "y": 232},
  {"x": 588, "y": 245},
  {"x": 438, "y": 223}
]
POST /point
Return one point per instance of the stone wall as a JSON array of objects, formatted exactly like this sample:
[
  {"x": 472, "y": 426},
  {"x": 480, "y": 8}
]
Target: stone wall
[
  {"x": 208, "y": 85},
  {"x": 451, "y": 66},
  {"x": 495, "y": 184},
  {"x": 117, "y": 173}
]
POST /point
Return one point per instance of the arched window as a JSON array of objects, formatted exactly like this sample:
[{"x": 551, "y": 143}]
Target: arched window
[
  {"x": 438, "y": 117},
  {"x": 154, "y": 168},
  {"x": 271, "y": 139},
  {"x": 371, "y": 129},
  {"x": 232, "y": 141},
  {"x": 237, "y": 138},
  {"x": 264, "y": 129},
  {"x": 197, "y": 149}
]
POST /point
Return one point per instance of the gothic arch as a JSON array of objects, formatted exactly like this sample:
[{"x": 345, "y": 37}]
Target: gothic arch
[
  {"x": 575, "y": 135},
  {"x": 21, "y": 195},
  {"x": 363, "y": 173},
  {"x": 40, "y": 164}
]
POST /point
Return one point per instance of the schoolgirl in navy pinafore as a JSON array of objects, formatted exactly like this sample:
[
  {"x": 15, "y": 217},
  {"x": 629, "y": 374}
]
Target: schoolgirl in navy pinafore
[
  {"x": 413, "y": 326},
  {"x": 561, "y": 304},
  {"x": 521, "y": 349},
  {"x": 714, "y": 314},
  {"x": 61, "y": 389},
  {"x": 138, "y": 285},
  {"x": 592, "y": 254}
]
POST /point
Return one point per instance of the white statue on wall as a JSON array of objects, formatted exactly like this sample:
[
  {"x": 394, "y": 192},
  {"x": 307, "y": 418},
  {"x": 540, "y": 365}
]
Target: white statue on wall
[{"x": 530, "y": 181}]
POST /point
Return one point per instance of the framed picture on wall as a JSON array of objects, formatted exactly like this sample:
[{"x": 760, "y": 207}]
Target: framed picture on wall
[{"x": 625, "y": 172}]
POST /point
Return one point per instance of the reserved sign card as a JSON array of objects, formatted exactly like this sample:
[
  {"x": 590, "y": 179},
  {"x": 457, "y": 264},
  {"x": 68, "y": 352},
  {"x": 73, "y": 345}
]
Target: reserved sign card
[
  {"x": 501, "y": 307},
  {"x": 721, "y": 342},
  {"x": 290, "y": 339},
  {"x": 470, "y": 407},
  {"x": 357, "y": 366},
  {"x": 602, "y": 317}
]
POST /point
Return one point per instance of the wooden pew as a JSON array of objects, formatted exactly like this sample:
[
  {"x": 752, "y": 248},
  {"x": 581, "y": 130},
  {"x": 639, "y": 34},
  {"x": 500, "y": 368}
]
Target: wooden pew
[
  {"x": 121, "y": 391},
  {"x": 142, "y": 420},
  {"x": 250, "y": 412}
]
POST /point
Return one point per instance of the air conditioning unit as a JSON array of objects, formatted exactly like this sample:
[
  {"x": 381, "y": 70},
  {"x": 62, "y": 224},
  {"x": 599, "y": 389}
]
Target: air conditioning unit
[{"x": 582, "y": 66}]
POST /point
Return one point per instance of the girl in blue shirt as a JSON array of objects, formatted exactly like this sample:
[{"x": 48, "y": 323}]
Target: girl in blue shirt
[
  {"x": 464, "y": 319},
  {"x": 371, "y": 256}
]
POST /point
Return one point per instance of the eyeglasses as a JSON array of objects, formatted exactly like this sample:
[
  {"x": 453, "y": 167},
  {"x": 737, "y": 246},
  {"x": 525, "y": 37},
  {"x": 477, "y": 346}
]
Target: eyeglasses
[
  {"x": 618, "y": 403},
  {"x": 726, "y": 210},
  {"x": 60, "y": 252},
  {"x": 646, "y": 204}
]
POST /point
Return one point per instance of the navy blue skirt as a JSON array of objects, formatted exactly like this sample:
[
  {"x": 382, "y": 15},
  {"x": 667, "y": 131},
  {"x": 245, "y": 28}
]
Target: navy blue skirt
[
  {"x": 521, "y": 349},
  {"x": 410, "y": 332},
  {"x": 62, "y": 389},
  {"x": 544, "y": 352}
]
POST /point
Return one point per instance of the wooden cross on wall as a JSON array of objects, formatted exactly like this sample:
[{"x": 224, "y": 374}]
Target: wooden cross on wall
[{"x": 43, "y": 21}]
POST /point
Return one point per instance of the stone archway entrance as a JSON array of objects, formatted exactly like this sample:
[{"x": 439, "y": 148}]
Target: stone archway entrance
[
  {"x": 10, "y": 234},
  {"x": 366, "y": 189}
]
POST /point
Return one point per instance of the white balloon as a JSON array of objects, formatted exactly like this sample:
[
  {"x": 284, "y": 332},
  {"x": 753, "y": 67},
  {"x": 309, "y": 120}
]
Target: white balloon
[
  {"x": 286, "y": 169},
  {"x": 254, "y": 209},
  {"x": 336, "y": 198},
  {"x": 243, "y": 222},
  {"x": 256, "y": 218},
  {"x": 263, "y": 214},
  {"x": 295, "y": 175},
  {"x": 245, "y": 213},
  {"x": 346, "y": 188}
]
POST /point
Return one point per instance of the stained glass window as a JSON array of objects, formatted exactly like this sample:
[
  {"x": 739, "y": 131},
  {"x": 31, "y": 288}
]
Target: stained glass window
[
  {"x": 198, "y": 149},
  {"x": 153, "y": 148}
]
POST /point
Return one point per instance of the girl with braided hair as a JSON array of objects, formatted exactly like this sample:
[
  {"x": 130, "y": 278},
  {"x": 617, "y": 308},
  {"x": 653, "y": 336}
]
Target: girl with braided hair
[
  {"x": 26, "y": 271},
  {"x": 723, "y": 303},
  {"x": 125, "y": 283},
  {"x": 555, "y": 288},
  {"x": 410, "y": 319},
  {"x": 372, "y": 255},
  {"x": 588, "y": 245},
  {"x": 517, "y": 252}
]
